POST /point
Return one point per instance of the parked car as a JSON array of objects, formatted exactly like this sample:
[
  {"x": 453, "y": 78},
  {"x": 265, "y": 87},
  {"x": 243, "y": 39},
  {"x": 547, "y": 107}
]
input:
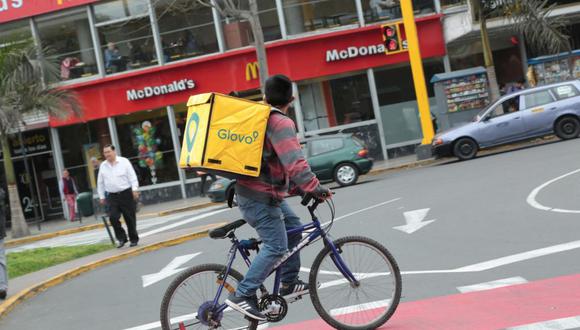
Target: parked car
[
  {"x": 526, "y": 114},
  {"x": 341, "y": 158}
]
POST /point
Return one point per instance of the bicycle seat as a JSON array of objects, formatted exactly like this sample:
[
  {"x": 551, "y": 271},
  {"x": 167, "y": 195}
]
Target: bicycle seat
[{"x": 223, "y": 231}]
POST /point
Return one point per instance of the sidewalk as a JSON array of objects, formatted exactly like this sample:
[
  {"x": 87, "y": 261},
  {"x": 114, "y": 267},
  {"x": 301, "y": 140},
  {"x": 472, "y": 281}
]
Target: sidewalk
[
  {"x": 50, "y": 228},
  {"x": 29, "y": 285},
  {"x": 57, "y": 227}
]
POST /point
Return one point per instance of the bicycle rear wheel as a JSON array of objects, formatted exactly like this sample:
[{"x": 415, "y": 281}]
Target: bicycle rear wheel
[
  {"x": 188, "y": 302},
  {"x": 367, "y": 305}
]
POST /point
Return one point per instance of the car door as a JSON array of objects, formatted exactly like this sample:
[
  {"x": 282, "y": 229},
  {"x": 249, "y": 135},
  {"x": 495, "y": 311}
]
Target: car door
[
  {"x": 501, "y": 124},
  {"x": 321, "y": 158},
  {"x": 540, "y": 111}
]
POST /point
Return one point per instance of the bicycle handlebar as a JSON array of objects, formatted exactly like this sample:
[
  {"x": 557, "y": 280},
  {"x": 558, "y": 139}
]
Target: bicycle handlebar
[{"x": 308, "y": 197}]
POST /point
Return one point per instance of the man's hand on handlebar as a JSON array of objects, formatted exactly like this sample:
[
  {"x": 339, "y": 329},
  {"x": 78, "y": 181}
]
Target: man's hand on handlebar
[{"x": 321, "y": 194}]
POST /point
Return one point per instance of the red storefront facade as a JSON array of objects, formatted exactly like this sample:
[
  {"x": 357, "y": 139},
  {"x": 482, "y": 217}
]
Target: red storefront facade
[
  {"x": 344, "y": 82},
  {"x": 301, "y": 59}
]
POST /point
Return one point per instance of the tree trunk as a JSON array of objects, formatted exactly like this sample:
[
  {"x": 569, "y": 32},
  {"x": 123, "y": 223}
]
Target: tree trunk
[
  {"x": 259, "y": 42},
  {"x": 488, "y": 58},
  {"x": 19, "y": 225}
]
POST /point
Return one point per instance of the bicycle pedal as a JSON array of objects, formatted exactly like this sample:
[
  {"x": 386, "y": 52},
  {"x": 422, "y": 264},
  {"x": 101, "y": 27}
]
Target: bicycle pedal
[{"x": 296, "y": 298}]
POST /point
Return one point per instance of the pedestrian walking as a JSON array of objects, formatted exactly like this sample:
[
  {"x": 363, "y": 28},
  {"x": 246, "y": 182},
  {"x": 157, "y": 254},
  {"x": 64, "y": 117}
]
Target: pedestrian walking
[
  {"x": 70, "y": 192},
  {"x": 203, "y": 176},
  {"x": 117, "y": 182},
  {"x": 3, "y": 269}
]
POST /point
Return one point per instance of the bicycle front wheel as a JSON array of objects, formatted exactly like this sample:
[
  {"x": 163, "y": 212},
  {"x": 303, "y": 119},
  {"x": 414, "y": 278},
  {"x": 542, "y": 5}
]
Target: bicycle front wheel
[
  {"x": 367, "y": 304},
  {"x": 188, "y": 302}
]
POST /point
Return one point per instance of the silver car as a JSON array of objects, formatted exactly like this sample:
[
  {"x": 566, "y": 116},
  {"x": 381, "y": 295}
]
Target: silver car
[{"x": 522, "y": 115}]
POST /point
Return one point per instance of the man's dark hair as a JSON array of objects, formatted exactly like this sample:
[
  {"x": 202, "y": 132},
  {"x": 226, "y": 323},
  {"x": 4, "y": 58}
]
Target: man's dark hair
[
  {"x": 109, "y": 146},
  {"x": 278, "y": 90}
]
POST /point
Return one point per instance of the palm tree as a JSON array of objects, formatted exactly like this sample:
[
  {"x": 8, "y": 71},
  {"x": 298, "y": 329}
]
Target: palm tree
[
  {"x": 531, "y": 19},
  {"x": 23, "y": 72}
]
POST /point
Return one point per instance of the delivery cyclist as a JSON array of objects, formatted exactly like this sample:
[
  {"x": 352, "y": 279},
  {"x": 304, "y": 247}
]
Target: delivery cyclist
[{"x": 261, "y": 201}]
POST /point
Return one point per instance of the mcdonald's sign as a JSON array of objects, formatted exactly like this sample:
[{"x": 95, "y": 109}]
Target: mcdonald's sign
[{"x": 252, "y": 69}]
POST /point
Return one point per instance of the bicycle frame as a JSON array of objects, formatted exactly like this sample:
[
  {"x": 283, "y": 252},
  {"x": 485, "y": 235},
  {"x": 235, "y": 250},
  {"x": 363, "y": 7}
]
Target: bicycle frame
[{"x": 316, "y": 232}]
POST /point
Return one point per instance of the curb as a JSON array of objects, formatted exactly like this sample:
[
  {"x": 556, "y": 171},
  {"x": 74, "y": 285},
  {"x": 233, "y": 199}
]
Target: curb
[
  {"x": 41, "y": 237},
  {"x": 32, "y": 291},
  {"x": 419, "y": 163}
]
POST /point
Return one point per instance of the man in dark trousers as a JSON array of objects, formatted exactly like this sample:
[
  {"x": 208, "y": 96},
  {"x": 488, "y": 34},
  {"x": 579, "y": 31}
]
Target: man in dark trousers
[
  {"x": 118, "y": 183},
  {"x": 3, "y": 269}
]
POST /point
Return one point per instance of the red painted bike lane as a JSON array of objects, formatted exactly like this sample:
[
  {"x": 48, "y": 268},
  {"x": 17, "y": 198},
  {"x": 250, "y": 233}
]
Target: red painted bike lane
[{"x": 499, "y": 308}]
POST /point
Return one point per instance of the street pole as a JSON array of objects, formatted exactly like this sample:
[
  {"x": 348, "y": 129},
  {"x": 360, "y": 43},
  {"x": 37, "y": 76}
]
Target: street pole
[{"x": 418, "y": 74}]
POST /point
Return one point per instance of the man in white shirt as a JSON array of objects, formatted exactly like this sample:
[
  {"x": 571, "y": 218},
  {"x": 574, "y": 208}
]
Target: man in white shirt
[{"x": 118, "y": 183}]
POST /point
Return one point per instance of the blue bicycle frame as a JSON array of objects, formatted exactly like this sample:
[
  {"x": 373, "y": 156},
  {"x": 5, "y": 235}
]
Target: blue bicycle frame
[{"x": 316, "y": 232}]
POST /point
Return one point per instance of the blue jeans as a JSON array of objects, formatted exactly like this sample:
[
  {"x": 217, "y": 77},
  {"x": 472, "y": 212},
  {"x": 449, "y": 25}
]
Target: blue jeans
[{"x": 271, "y": 223}]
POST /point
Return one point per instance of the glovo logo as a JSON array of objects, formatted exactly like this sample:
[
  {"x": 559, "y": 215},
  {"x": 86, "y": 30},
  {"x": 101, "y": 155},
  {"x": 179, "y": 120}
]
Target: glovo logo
[
  {"x": 252, "y": 71},
  {"x": 226, "y": 134},
  {"x": 191, "y": 133}
]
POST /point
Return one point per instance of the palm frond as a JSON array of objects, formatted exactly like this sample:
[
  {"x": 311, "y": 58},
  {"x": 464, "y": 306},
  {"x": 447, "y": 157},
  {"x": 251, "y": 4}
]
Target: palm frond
[
  {"x": 543, "y": 33},
  {"x": 23, "y": 87}
]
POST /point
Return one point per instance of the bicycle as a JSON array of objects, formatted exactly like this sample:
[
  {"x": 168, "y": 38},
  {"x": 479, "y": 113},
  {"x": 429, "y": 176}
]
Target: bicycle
[{"x": 334, "y": 267}]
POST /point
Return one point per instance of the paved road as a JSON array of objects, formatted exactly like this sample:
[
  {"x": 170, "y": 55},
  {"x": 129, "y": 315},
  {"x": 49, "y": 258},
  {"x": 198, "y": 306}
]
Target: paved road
[{"x": 487, "y": 228}]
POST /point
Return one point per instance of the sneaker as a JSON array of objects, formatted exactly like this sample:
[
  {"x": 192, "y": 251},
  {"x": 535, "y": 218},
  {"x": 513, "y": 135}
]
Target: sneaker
[
  {"x": 297, "y": 288},
  {"x": 246, "y": 306}
]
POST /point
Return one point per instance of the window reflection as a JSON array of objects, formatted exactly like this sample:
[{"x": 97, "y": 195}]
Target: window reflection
[
  {"x": 15, "y": 33},
  {"x": 69, "y": 35},
  {"x": 383, "y": 10},
  {"x": 120, "y": 9},
  {"x": 303, "y": 16},
  {"x": 187, "y": 29},
  {"x": 127, "y": 45}
]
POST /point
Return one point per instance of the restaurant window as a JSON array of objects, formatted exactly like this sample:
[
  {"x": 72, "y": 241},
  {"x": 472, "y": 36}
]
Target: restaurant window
[
  {"x": 68, "y": 36},
  {"x": 304, "y": 16},
  {"x": 398, "y": 103},
  {"x": 383, "y": 10},
  {"x": 82, "y": 151},
  {"x": 187, "y": 29},
  {"x": 145, "y": 139},
  {"x": 125, "y": 34},
  {"x": 15, "y": 33},
  {"x": 334, "y": 102},
  {"x": 238, "y": 32}
]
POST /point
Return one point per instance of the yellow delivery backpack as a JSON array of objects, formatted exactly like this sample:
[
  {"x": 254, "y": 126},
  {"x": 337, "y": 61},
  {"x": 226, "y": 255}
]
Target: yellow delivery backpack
[{"x": 224, "y": 135}]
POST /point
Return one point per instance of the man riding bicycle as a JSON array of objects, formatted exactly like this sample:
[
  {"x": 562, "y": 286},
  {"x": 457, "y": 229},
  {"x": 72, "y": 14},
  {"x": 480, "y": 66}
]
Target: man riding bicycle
[{"x": 261, "y": 201}]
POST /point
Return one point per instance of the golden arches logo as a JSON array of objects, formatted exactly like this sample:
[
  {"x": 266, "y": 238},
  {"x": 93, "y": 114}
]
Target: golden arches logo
[{"x": 252, "y": 69}]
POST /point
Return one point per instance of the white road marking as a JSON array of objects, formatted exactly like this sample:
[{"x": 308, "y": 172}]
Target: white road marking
[
  {"x": 360, "y": 307},
  {"x": 362, "y": 210},
  {"x": 183, "y": 222},
  {"x": 492, "y": 285},
  {"x": 414, "y": 220},
  {"x": 100, "y": 235},
  {"x": 494, "y": 263},
  {"x": 187, "y": 317},
  {"x": 169, "y": 270},
  {"x": 558, "y": 324},
  {"x": 148, "y": 326},
  {"x": 487, "y": 265},
  {"x": 534, "y": 194}
]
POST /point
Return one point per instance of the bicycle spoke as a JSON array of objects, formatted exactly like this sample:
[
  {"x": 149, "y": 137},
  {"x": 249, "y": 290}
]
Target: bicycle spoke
[
  {"x": 359, "y": 305},
  {"x": 195, "y": 294}
]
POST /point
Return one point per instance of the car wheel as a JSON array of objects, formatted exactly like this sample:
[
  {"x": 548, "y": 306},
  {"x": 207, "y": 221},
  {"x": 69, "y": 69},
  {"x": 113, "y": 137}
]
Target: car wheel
[
  {"x": 567, "y": 128},
  {"x": 465, "y": 148},
  {"x": 346, "y": 174}
]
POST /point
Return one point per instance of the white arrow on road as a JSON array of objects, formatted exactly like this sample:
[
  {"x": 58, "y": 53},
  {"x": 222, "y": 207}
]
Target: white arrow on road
[
  {"x": 414, "y": 221},
  {"x": 169, "y": 270}
]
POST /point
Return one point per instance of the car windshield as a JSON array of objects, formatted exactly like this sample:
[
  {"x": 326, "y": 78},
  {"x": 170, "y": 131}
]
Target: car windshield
[{"x": 482, "y": 112}]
